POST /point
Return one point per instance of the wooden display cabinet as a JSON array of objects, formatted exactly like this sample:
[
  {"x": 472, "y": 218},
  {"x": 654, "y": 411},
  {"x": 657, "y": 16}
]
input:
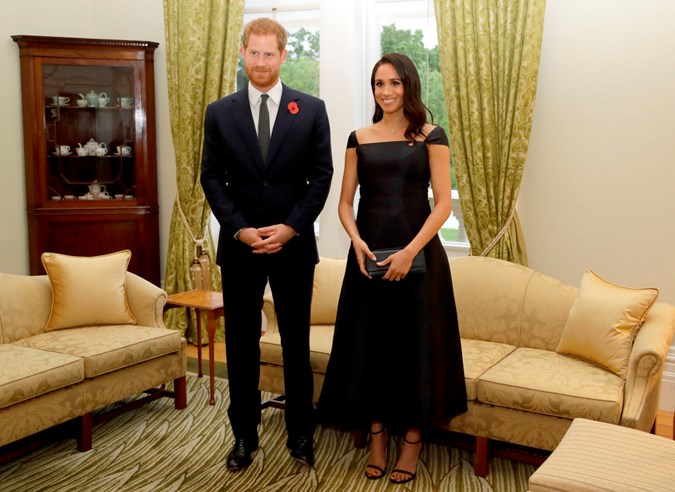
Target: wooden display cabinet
[{"x": 90, "y": 149}]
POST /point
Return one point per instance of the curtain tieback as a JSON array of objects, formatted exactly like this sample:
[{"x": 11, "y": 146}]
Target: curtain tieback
[
  {"x": 199, "y": 243},
  {"x": 501, "y": 233}
]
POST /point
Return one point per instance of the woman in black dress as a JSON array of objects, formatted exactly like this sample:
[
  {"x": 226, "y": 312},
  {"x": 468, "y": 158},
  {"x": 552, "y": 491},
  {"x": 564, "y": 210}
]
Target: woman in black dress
[{"x": 396, "y": 361}]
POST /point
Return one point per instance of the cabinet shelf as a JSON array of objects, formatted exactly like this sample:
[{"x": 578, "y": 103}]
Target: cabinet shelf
[{"x": 56, "y": 72}]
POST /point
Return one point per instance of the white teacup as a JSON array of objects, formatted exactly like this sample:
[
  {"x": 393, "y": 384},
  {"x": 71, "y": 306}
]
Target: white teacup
[
  {"x": 63, "y": 149},
  {"x": 81, "y": 151},
  {"x": 82, "y": 103},
  {"x": 69, "y": 197},
  {"x": 123, "y": 150},
  {"x": 100, "y": 151},
  {"x": 126, "y": 102},
  {"x": 60, "y": 100}
]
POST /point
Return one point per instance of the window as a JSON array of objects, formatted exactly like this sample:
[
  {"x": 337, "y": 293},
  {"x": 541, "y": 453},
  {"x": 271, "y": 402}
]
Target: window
[
  {"x": 409, "y": 27},
  {"x": 354, "y": 36},
  {"x": 301, "y": 68},
  {"x": 301, "y": 20}
]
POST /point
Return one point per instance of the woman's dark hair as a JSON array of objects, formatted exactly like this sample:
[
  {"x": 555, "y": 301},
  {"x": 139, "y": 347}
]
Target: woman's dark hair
[{"x": 413, "y": 108}]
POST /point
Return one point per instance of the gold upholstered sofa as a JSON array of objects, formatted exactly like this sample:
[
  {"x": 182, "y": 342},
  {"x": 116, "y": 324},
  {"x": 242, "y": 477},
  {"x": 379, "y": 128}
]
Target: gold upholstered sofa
[
  {"x": 538, "y": 353},
  {"x": 52, "y": 372}
]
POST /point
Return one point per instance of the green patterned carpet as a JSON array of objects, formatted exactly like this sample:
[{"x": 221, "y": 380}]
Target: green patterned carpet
[{"x": 156, "y": 448}]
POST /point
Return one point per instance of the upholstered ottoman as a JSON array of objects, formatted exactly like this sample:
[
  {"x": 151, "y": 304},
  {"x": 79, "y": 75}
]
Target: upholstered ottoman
[{"x": 596, "y": 456}]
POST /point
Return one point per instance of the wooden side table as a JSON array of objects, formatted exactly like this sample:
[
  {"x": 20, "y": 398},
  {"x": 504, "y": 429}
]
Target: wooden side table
[{"x": 210, "y": 302}]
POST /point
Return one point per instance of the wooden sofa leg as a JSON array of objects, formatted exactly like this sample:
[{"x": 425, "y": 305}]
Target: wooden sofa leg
[
  {"x": 359, "y": 438},
  {"x": 482, "y": 465},
  {"x": 180, "y": 390},
  {"x": 86, "y": 429}
]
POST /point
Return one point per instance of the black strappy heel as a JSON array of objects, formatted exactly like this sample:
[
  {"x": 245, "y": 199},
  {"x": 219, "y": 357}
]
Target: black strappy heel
[
  {"x": 410, "y": 475},
  {"x": 382, "y": 471}
]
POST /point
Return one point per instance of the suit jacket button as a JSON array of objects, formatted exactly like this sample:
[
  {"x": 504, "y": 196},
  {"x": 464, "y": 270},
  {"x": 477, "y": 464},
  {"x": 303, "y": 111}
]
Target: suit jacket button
[
  {"x": 265, "y": 183},
  {"x": 260, "y": 209}
]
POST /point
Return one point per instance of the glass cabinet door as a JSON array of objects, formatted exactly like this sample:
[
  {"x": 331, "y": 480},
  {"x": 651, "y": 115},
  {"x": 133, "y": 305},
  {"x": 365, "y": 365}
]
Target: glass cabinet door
[
  {"x": 90, "y": 149},
  {"x": 90, "y": 132}
]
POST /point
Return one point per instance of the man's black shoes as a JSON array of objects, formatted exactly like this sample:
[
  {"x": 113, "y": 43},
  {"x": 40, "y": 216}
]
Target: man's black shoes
[
  {"x": 241, "y": 455},
  {"x": 302, "y": 449}
]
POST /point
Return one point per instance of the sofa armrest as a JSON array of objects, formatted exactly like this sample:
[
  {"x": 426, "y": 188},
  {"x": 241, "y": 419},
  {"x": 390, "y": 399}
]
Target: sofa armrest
[
  {"x": 645, "y": 367},
  {"x": 146, "y": 301},
  {"x": 270, "y": 314}
]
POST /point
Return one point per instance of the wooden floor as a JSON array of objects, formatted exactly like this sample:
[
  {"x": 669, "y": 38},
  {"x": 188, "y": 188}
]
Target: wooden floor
[{"x": 664, "y": 420}]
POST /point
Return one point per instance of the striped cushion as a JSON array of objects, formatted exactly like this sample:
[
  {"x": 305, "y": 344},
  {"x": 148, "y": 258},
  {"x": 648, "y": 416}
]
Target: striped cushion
[{"x": 596, "y": 456}]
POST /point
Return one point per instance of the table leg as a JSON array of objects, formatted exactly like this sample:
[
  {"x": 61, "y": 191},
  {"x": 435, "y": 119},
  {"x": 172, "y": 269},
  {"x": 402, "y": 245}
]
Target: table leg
[
  {"x": 211, "y": 331},
  {"x": 199, "y": 343}
]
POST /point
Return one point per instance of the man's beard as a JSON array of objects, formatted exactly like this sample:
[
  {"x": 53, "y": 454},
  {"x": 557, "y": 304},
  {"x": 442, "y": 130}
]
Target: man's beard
[{"x": 262, "y": 78}]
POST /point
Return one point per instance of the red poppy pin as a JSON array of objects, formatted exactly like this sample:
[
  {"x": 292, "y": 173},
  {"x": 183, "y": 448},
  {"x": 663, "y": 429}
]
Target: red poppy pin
[{"x": 293, "y": 107}]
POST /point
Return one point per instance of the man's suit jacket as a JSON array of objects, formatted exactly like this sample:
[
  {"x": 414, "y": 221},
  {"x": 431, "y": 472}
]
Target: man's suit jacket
[{"x": 290, "y": 187}]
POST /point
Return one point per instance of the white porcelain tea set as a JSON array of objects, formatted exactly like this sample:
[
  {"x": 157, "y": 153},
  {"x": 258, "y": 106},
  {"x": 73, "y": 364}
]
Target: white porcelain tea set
[
  {"x": 93, "y": 99},
  {"x": 92, "y": 147},
  {"x": 96, "y": 191}
]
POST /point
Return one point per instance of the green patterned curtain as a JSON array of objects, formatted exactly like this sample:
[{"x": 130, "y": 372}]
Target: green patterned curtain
[
  {"x": 202, "y": 41},
  {"x": 489, "y": 53}
]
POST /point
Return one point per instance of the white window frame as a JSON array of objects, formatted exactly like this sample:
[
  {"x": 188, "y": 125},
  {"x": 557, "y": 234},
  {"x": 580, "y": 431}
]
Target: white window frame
[
  {"x": 408, "y": 14},
  {"x": 350, "y": 46}
]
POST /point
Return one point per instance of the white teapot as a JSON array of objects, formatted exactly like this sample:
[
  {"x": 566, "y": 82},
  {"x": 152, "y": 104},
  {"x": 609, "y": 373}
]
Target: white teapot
[
  {"x": 91, "y": 146},
  {"x": 95, "y": 189},
  {"x": 91, "y": 97}
]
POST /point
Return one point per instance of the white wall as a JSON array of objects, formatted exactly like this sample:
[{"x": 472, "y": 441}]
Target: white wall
[
  {"x": 598, "y": 189},
  {"x": 125, "y": 19}
]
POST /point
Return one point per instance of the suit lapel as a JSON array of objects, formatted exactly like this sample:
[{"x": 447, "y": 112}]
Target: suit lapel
[
  {"x": 241, "y": 113},
  {"x": 283, "y": 123}
]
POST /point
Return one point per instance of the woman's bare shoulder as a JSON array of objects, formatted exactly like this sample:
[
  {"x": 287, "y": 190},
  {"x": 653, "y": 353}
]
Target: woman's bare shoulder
[
  {"x": 366, "y": 134},
  {"x": 428, "y": 128}
]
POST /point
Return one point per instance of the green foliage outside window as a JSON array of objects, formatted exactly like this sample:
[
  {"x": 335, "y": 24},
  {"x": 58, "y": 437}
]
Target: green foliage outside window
[
  {"x": 301, "y": 69},
  {"x": 427, "y": 61}
]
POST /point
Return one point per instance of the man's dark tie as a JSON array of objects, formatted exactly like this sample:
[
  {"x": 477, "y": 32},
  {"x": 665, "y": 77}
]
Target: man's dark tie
[{"x": 264, "y": 126}]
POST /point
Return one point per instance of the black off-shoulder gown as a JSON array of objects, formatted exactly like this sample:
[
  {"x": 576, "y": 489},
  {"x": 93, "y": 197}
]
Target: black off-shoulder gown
[{"x": 396, "y": 354}]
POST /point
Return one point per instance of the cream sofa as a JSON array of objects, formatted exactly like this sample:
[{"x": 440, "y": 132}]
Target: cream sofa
[
  {"x": 520, "y": 389},
  {"x": 47, "y": 378}
]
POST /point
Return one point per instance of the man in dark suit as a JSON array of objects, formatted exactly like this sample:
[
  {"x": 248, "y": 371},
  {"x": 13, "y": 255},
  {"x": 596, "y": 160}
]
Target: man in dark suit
[{"x": 266, "y": 172}]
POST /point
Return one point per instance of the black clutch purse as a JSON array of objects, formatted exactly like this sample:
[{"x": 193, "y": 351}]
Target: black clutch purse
[{"x": 374, "y": 270}]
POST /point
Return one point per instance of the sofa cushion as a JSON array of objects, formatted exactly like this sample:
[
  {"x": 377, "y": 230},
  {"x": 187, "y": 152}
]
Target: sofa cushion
[
  {"x": 88, "y": 290},
  {"x": 26, "y": 373},
  {"x": 108, "y": 348},
  {"x": 603, "y": 321},
  {"x": 548, "y": 383},
  {"x": 25, "y": 301},
  {"x": 320, "y": 344},
  {"x": 546, "y": 308},
  {"x": 328, "y": 277},
  {"x": 496, "y": 316},
  {"x": 478, "y": 357}
]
